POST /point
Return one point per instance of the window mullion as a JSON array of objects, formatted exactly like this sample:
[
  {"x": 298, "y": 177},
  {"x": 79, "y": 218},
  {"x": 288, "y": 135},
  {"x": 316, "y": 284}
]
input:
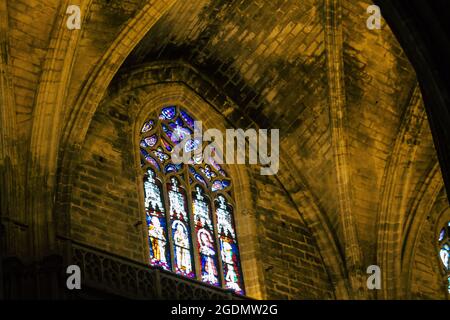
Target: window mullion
[
  {"x": 168, "y": 222},
  {"x": 216, "y": 236},
  {"x": 194, "y": 242}
]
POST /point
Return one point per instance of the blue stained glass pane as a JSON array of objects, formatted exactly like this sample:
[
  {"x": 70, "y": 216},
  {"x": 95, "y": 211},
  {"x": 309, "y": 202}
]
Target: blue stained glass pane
[
  {"x": 150, "y": 159},
  {"x": 178, "y": 133},
  {"x": 442, "y": 234},
  {"x": 220, "y": 185},
  {"x": 197, "y": 176},
  {"x": 208, "y": 172},
  {"x": 172, "y": 168},
  {"x": 149, "y": 141},
  {"x": 165, "y": 129},
  {"x": 159, "y": 153},
  {"x": 226, "y": 183},
  {"x": 147, "y": 126},
  {"x": 168, "y": 113},
  {"x": 217, "y": 185},
  {"x": 169, "y": 133},
  {"x": 189, "y": 121},
  {"x": 166, "y": 145},
  {"x": 177, "y": 123}
]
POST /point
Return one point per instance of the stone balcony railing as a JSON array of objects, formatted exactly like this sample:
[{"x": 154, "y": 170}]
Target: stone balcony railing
[{"x": 107, "y": 275}]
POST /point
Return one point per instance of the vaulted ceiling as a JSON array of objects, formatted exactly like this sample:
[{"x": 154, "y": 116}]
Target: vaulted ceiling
[{"x": 282, "y": 62}]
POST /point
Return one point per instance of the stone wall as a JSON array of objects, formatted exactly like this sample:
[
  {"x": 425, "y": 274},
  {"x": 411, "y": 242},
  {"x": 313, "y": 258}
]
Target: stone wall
[
  {"x": 292, "y": 264},
  {"x": 104, "y": 211}
]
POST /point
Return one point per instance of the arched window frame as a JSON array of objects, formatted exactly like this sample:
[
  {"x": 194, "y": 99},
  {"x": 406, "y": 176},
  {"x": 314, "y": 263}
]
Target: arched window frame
[{"x": 184, "y": 175}]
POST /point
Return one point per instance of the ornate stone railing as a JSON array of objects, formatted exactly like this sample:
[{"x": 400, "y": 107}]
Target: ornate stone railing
[{"x": 110, "y": 275}]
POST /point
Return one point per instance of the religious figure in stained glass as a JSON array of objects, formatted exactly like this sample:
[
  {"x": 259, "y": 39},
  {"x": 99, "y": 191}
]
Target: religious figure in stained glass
[
  {"x": 208, "y": 252},
  {"x": 182, "y": 248},
  {"x": 158, "y": 240},
  {"x": 231, "y": 279},
  {"x": 155, "y": 222},
  {"x": 227, "y": 253},
  {"x": 188, "y": 205},
  {"x": 228, "y": 245},
  {"x": 206, "y": 242}
]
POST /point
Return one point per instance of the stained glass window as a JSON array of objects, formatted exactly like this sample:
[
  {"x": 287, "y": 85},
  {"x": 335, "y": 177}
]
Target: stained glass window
[
  {"x": 207, "y": 245},
  {"x": 444, "y": 251},
  {"x": 228, "y": 244},
  {"x": 156, "y": 222},
  {"x": 189, "y": 207}
]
